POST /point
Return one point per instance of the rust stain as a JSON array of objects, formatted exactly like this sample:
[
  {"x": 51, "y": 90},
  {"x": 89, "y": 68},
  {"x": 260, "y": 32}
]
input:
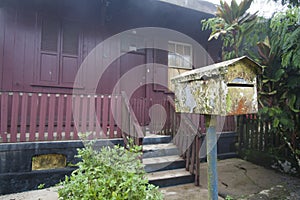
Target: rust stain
[{"x": 241, "y": 108}]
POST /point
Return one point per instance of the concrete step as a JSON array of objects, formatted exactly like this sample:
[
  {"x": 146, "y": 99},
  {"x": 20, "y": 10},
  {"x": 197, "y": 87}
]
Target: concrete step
[
  {"x": 158, "y": 150},
  {"x": 163, "y": 163},
  {"x": 170, "y": 177},
  {"x": 156, "y": 139}
]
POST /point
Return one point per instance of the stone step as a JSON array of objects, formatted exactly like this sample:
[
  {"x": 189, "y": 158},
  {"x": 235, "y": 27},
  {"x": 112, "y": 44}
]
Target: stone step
[
  {"x": 163, "y": 163},
  {"x": 158, "y": 150},
  {"x": 156, "y": 139},
  {"x": 170, "y": 177}
]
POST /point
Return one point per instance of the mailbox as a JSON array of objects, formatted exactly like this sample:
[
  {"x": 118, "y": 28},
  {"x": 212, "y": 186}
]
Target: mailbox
[{"x": 225, "y": 88}]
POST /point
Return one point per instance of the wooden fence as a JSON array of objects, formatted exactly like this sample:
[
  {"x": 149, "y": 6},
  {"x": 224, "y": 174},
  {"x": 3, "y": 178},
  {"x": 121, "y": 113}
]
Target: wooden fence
[
  {"x": 257, "y": 135},
  {"x": 27, "y": 117},
  {"x": 47, "y": 117}
]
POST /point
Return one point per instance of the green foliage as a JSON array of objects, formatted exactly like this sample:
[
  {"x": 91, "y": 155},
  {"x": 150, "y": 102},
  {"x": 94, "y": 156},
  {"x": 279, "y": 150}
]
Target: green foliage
[
  {"x": 41, "y": 186},
  {"x": 231, "y": 23},
  {"x": 289, "y": 2},
  {"x": 275, "y": 44},
  {"x": 111, "y": 173},
  {"x": 286, "y": 37},
  {"x": 280, "y": 88},
  {"x": 229, "y": 198}
]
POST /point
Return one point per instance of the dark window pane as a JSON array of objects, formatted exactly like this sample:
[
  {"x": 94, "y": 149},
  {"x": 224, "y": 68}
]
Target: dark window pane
[
  {"x": 70, "y": 38},
  {"x": 49, "y": 35}
]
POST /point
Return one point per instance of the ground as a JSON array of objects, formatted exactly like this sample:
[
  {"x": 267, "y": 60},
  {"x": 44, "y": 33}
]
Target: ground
[{"x": 237, "y": 178}]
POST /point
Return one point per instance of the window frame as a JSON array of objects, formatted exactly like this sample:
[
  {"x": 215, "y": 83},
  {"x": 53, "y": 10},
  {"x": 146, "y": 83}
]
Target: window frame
[
  {"x": 181, "y": 56},
  {"x": 59, "y": 82}
]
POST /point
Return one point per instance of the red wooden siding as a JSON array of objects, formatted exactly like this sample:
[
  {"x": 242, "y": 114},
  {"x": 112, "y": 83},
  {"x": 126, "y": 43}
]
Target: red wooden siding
[
  {"x": 45, "y": 59},
  {"x": 29, "y": 65},
  {"x": 1, "y": 43}
]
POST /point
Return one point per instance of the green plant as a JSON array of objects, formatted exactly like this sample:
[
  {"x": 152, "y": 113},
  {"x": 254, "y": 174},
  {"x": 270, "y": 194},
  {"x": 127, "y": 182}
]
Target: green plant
[
  {"x": 41, "y": 186},
  {"x": 111, "y": 173},
  {"x": 232, "y": 23},
  {"x": 280, "y": 89},
  {"x": 229, "y": 198},
  {"x": 275, "y": 44}
]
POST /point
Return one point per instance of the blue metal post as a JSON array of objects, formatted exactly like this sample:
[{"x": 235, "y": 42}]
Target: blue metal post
[{"x": 211, "y": 147}]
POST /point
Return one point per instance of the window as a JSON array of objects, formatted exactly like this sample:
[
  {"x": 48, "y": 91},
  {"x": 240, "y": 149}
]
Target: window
[
  {"x": 180, "y": 55},
  {"x": 59, "y": 52}
]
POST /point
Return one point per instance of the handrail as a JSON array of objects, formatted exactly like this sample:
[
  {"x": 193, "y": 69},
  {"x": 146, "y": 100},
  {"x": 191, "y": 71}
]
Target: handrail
[
  {"x": 188, "y": 140},
  {"x": 187, "y": 120},
  {"x": 130, "y": 125}
]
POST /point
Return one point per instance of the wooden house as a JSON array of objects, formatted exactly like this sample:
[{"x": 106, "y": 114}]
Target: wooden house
[{"x": 43, "y": 44}]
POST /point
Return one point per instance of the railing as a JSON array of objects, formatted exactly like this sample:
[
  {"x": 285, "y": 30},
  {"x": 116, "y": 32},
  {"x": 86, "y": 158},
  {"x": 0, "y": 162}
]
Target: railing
[
  {"x": 187, "y": 136},
  {"x": 28, "y": 117},
  {"x": 188, "y": 132},
  {"x": 131, "y": 128}
]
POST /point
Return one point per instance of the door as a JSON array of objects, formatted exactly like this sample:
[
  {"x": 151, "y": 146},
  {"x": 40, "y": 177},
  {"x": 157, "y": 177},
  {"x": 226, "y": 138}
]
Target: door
[{"x": 133, "y": 74}]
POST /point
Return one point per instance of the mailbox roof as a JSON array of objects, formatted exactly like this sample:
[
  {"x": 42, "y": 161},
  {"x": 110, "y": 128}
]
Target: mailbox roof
[{"x": 215, "y": 69}]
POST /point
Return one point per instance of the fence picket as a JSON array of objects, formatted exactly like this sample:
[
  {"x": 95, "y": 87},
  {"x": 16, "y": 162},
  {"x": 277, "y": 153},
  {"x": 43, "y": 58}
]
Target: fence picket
[
  {"x": 4, "y": 116},
  {"x": 91, "y": 120},
  {"x": 98, "y": 117},
  {"x": 42, "y": 116},
  {"x": 23, "y": 129},
  {"x": 14, "y": 117},
  {"x": 77, "y": 118},
  {"x": 105, "y": 115},
  {"x": 60, "y": 116},
  {"x": 51, "y": 114},
  {"x": 119, "y": 116},
  {"x": 69, "y": 99},
  {"x": 33, "y": 117},
  {"x": 111, "y": 116},
  {"x": 84, "y": 116}
]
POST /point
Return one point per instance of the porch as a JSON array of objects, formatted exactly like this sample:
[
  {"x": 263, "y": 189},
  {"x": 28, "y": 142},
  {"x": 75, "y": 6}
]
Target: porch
[{"x": 38, "y": 123}]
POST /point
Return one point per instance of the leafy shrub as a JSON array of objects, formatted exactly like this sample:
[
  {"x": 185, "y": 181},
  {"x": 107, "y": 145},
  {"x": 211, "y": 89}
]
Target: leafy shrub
[{"x": 111, "y": 173}]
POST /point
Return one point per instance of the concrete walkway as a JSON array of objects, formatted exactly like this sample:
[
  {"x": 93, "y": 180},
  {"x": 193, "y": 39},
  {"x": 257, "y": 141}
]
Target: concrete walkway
[
  {"x": 243, "y": 180},
  {"x": 237, "y": 178}
]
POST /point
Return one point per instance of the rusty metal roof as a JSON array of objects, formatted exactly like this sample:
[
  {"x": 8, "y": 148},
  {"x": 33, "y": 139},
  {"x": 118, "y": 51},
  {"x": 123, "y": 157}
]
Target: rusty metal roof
[{"x": 215, "y": 69}]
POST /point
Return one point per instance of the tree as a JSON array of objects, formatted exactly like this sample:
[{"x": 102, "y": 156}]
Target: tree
[
  {"x": 290, "y": 2},
  {"x": 232, "y": 23},
  {"x": 279, "y": 53},
  {"x": 280, "y": 92}
]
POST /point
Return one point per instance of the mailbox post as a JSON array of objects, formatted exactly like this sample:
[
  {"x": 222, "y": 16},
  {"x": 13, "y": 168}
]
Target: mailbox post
[
  {"x": 222, "y": 89},
  {"x": 211, "y": 148}
]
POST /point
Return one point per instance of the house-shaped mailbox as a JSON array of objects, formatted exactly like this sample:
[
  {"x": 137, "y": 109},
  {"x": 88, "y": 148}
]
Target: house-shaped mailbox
[{"x": 226, "y": 88}]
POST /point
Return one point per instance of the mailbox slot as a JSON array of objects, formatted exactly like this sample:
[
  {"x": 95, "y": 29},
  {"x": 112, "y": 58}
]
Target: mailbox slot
[
  {"x": 240, "y": 82},
  {"x": 239, "y": 85}
]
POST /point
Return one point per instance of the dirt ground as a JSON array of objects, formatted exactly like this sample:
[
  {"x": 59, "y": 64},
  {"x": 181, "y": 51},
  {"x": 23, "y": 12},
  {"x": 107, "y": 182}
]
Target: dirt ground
[{"x": 237, "y": 178}]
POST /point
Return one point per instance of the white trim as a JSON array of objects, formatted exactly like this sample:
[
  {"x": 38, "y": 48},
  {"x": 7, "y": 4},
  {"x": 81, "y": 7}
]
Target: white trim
[{"x": 191, "y": 54}]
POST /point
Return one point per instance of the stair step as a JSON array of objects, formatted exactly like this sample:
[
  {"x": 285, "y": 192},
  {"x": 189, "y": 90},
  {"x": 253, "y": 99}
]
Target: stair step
[
  {"x": 163, "y": 163},
  {"x": 170, "y": 177},
  {"x": 158, "y": 150},
  {"x": 149, "y": 147},
  {"x": 156, "y": 139}
]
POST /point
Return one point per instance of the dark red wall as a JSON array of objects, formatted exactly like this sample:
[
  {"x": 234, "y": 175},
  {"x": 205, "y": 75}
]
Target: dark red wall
[{"x": 20, "y": 33}]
